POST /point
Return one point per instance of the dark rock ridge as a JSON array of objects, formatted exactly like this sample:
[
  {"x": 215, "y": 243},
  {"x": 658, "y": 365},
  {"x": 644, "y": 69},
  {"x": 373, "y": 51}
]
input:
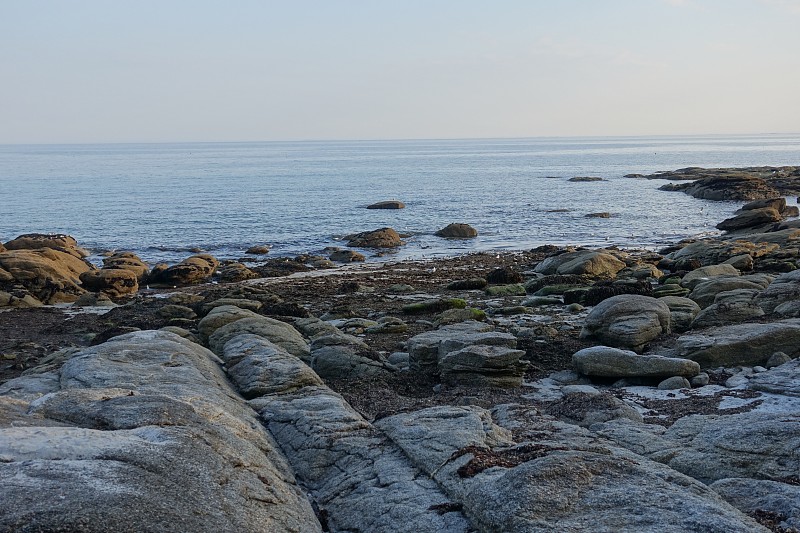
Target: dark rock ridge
[
  {"x": 388, "y": 204},
  {"x": 759, "y": 216},
  {"x": 580, "y": 179},
  {"x": 749, "y": 183}
]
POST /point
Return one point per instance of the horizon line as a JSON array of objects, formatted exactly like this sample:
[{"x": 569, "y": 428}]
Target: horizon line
[{"x": 404, "y": 139}]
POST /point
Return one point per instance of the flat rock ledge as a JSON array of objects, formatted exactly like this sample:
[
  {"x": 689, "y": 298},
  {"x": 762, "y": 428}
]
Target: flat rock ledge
[{"x": 141, "y": 433}]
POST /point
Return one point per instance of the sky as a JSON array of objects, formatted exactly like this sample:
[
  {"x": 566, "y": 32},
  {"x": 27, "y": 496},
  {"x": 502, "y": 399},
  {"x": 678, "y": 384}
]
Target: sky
[{"x": 173, "y": 70}]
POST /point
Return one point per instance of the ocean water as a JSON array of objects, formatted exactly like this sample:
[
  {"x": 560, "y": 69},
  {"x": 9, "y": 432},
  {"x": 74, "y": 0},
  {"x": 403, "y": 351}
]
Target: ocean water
[{"x": 161, "y": 200}]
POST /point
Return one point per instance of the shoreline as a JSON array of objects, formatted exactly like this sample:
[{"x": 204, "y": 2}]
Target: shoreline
[{"x": 459, "y": 371}]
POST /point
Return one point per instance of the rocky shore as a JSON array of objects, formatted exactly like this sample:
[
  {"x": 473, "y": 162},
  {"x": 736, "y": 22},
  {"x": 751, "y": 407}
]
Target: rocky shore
[{"x": 555, "y": 389}]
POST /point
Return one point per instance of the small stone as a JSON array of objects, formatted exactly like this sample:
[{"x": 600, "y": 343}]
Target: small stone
[
  {"x": 700, "y": 380},
  {"x": 737, "y": 380},
  {"x": 575, "y": 308},
  {"x": 674, "y": 383},
  {"x": 777, "y": 359},
  {"x": 258, "y": 250}
]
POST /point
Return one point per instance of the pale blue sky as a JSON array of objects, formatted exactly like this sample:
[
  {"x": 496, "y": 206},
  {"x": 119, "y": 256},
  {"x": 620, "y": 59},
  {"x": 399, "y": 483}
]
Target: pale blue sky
[{"x": 119, "y": 71}]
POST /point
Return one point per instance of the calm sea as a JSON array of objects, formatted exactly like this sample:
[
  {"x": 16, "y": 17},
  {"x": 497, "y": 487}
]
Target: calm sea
[{"x": 160, "y": 200}]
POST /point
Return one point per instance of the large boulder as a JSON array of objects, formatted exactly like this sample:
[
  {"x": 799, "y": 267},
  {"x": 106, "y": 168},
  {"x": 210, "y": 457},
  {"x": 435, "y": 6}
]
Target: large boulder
[
  {"x": 426, "y": 349},
  {"x": 457, "y": 231},
  {"x": 379, "y": 238},
  {"x": 235, "y": 272},
  {"x": 128, "y": 261},
  {"x": 115, "y": 282},
  {"x": 627, "y": 321},
  {"x": 750, "y": 218},
  {"x": 359, "y": 478},
  {"x": 587, "y": 262},
  {"x": 483, "y": 366},
  {"x": 37, "y": 241},
  {"x": 338, "y": 355},
  {"x": 741, "y": 344},
  {"x": 52, "y": 276},
  {"x": 759, "y": 445},
  {"x": 729, "y": 307},
  {"x": 603, "y": 361},
  {"x": 142, "y": 433},
  {"x": 196, "y": 269}
]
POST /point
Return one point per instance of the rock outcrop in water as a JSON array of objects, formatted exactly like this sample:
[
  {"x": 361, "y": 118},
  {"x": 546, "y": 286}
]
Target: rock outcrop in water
[{"x": 751, "y": 183}]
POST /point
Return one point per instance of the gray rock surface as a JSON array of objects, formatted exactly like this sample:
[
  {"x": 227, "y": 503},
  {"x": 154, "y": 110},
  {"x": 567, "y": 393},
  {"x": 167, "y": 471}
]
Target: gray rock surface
[
  {"x": 727, "y": 311},
  {"x": 604, "y": 361},
  {"x": 256, "y": 365},
  {"x": 674, "y": 383},
  {"x": 757, "y": 445},
  {"x": 783, "y": 379},
  {"x": 741, "y": 344},
  {"x": 681, "y": 311},
  {"x": 705, "y": 292},
  {"x": 785, "y": 288},
  {"x": 425, "y": 349},
  {"x": 749, "y": 495},
  {"x": 221, "y": 316},
  {"x": 564, "y": 480},
  {"x": 483, "y": 366},
  {"x": 145, "y": 434},
  {"x": 627, "y": 321},
  {"x": 706, "y": 273},
  {"x": 754, "y": 445},
  {"x": 277, "y": 332},
  {"x": 358, "y": 478}
]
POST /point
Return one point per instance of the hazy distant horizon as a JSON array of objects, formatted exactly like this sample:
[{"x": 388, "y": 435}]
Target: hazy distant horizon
[
  {"x": 90, "y": 71},
  {"x": 424, "y": 139}
]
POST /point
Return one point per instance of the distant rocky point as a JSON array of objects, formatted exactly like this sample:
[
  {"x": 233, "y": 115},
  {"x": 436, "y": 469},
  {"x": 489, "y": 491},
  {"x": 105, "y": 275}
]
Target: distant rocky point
[{"x": 736, "y": 184}]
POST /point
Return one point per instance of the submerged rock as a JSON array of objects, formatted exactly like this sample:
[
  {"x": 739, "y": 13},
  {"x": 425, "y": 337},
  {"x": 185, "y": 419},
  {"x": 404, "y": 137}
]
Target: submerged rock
[{"x": 387, "y": 204}]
